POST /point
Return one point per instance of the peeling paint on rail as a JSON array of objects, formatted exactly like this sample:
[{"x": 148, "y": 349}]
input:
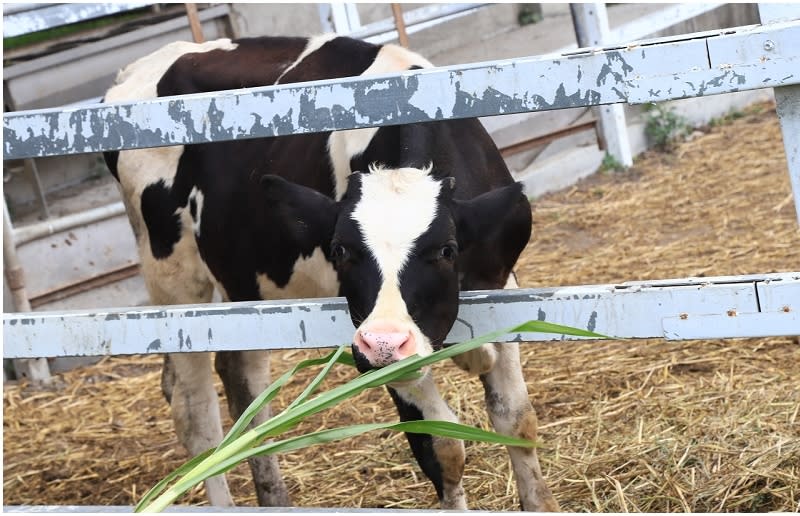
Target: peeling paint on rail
[
  {"x": 637, "y": 312},
  {"x": 658, "y": 70}
]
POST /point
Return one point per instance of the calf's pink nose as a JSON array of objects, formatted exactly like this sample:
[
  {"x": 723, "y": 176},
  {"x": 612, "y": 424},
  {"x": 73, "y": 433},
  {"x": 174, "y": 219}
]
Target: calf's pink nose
[{"x": 382, "y": 348}]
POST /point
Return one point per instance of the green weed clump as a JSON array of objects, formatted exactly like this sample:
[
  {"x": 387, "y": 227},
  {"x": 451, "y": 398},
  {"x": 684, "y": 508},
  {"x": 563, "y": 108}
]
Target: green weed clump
[
  {"x": 240, "y": 444},
  {"x": 664, "y": 127}
]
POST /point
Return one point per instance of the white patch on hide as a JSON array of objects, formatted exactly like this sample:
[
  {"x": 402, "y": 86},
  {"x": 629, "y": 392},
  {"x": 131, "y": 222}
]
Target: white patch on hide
[
  {"x": 312, "y": 277},
  {"x": 314, "y": 44},
  {"x": 198, "y": 198}
]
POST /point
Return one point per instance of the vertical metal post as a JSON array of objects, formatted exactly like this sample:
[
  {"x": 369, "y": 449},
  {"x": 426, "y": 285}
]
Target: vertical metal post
[
  {"x": 31, "y": 170},
  {"x": 787, "y": 104},
  {"x": 591, "y": 30},
  {"x": 32, "y": 368},
  {"x": 345, "y": 17},
  {"x": 326, "y": 17},
  {"x": 400, "y": 25},
  {"x": 787, "y": 101}
]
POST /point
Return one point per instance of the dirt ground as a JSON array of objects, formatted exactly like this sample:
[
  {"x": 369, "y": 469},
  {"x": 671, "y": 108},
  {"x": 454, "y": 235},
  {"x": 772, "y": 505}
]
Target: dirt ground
[{"x": 644, "y": 425}]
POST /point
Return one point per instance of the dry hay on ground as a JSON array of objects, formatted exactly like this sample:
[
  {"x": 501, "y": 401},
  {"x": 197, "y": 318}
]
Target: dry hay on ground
[{"x": 627, "y": 425}]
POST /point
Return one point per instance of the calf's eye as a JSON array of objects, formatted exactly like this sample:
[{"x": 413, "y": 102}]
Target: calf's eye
[
  {"x": 338, "y": 252},
  {"x": 447, "y": 252}
]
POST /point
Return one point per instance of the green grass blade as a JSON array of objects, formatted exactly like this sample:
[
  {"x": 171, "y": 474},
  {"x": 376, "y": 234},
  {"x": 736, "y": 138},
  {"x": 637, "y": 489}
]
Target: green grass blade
[
  {"x": 398, "y": 370},
  {"x": 289, "y": 418},
  {"x": 548, "y": 327},
  {"x": 182, "y": 470},
  {"x": 269, "y": 393},
  {"x": 334, "y": 357},
  {"x": 462, "y": 432},
  {"x": 439, "y": 428},
  {"x": 237, "y": 447},
  {"x": 347, "y": 359}
]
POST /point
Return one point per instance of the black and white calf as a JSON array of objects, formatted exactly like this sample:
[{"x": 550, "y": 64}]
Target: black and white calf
[{"x": 396, "y": 219}]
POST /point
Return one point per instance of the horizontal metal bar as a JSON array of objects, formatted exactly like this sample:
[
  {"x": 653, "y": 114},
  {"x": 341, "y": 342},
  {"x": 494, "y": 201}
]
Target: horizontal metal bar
[
  {"x": 392, "y": 35},
  {"x": 637, "y": 73},
  {"x": 530, "y": 143},
  {"x": 628, "y": 310},
  {"x": 413, "y": 17},
  {"x": 21, "y": 7},
  {"x": 83, "y": 285},
  {"x": 777, "y": 297},
  {"x": 48, "y": 227},
  {"x": 733, "y": 324},
  {"x": 664, "y": 18},
  {"x": 107, "y": 45},
  {"x": 773, "y": 12},
  {"x": 637, "y": 30},
  {"x": 56, "y": 15}
]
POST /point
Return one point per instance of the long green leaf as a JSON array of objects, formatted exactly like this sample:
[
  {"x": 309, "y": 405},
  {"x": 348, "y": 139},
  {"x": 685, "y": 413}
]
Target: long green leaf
[
  {"x": 256, "y": 406},
  {"x": 290, "y": 418},
  {"x": 377, "y": 377},
  {"x": 548, "y": 327},
  {"x": 238, "y": 446},
  {"x": 439, "y": 428},
  {"x": 270, "y": 392},
  {"x": 312, "y": 386},
  {"x": 182, "y": 470}
]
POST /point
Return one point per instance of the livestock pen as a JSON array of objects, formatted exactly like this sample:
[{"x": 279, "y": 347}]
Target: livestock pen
[{"x": 643, "y": 291}]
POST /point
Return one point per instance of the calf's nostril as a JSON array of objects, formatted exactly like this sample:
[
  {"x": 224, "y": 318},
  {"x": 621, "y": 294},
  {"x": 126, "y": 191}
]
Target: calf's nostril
[{"x": 405, "y": 347}]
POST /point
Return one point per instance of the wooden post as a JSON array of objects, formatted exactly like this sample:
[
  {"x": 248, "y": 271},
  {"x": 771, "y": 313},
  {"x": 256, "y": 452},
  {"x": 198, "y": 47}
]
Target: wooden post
[
  {"x": 400, "y": 25},
  {"x": 194, "y": 23}
]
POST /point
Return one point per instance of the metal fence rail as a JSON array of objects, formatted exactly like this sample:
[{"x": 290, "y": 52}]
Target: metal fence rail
[
  {"x": 691, "y": 65},
  {"x": 651, "y": 71},
  {"x": 693, "y": 308},
  {"x": 27, "y": 18}
]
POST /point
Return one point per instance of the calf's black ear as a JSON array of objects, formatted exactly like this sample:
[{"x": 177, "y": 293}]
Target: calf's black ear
[
  {"x": 501, "y": 214},
  {"x": 305, "y": 216}
]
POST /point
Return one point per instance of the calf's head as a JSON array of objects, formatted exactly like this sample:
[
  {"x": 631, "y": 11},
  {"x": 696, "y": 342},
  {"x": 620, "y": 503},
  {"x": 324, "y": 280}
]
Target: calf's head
[{"x": 394, "y": 239}]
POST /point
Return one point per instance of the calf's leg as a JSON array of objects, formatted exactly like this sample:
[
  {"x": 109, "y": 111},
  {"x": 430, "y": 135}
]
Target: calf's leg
[
  {"x": 187, "y": 379},
  {"x": 510, "y": 410},
  {"x": 511, "y": 413},
  {"x": 441, "y": 458},
  {"x": 195, "y": 411},
  {"x": 245, "y": 375}
]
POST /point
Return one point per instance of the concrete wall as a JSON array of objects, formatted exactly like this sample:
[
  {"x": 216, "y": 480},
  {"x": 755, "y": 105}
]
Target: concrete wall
[{"x": 300, "y": 19}]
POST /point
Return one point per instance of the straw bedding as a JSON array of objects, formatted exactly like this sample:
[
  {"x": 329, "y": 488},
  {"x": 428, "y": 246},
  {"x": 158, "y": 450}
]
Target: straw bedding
[{"x": 627, "y": 425}]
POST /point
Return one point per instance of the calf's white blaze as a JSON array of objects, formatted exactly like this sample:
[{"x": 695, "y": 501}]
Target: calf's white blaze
[{"x": 396, "y": 207}]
